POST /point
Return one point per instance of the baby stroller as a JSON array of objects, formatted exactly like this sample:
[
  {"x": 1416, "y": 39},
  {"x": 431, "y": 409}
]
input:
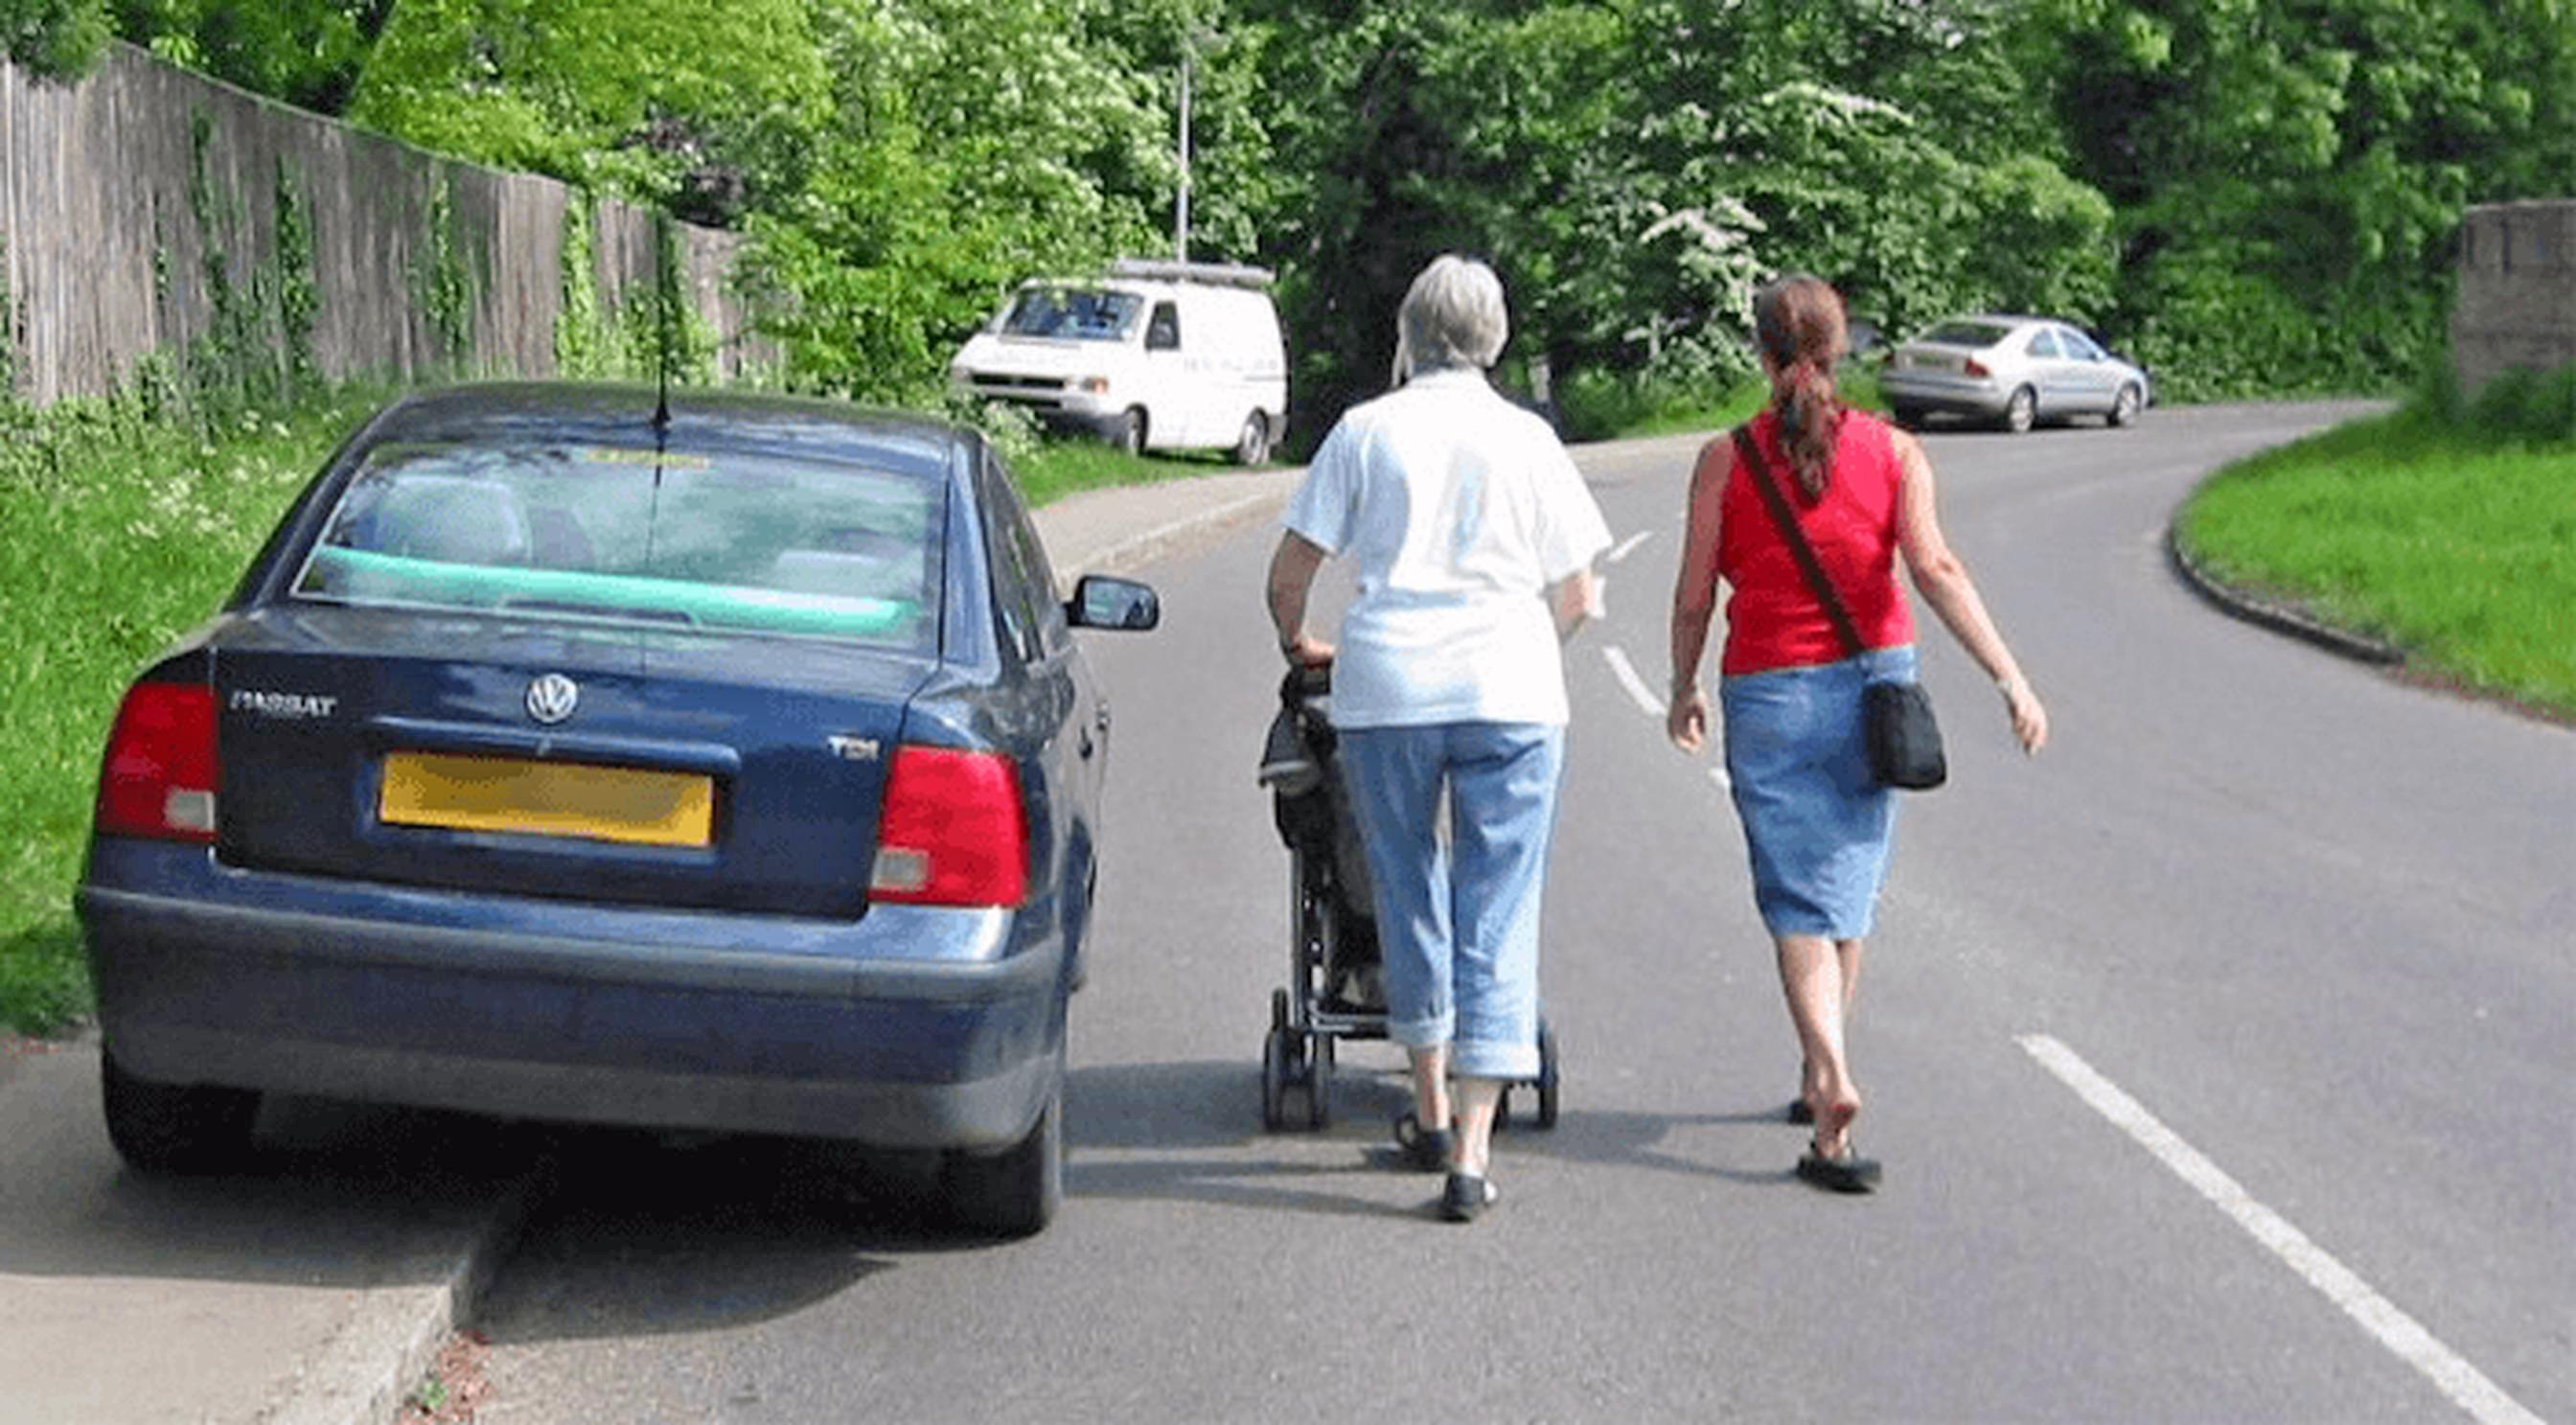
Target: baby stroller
[{"x": 1336, "y": 987}]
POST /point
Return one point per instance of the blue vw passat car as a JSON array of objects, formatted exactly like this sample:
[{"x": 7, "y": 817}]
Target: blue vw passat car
[{"x": 731, "y": 767}]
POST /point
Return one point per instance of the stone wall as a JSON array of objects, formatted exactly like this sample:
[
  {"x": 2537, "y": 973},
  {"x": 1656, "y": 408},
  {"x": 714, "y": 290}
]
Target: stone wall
[
  {"x": 2517, "y": 297},
  {"x": 116, "y": 191}
]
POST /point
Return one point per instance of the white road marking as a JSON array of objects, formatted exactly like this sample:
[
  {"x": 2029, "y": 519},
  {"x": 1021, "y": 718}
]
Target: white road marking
[
  {"x": 2394, "y": 1329},
  {"x": 1627, "y": 674},
  {"x": 1629, "y": 545}
]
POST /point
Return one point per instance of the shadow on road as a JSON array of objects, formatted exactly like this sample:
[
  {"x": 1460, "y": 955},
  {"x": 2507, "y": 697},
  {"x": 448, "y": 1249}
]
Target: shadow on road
[{"x": 1167, "y": 1130}]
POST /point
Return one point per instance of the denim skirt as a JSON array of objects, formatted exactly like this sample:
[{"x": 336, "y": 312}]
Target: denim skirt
[{"x": 1816, "y": 825}]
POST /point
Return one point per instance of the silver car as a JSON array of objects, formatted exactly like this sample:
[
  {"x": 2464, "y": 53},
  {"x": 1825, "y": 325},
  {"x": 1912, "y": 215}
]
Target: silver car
[{"x": 2015, "y": 371}]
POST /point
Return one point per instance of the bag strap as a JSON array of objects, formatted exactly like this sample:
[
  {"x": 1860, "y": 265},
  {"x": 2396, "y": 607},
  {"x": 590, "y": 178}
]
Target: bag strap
[{"x": 1817, "y": 579}]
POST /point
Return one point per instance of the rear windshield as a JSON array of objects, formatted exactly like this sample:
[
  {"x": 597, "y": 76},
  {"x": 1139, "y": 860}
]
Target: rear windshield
[
  {"x": 738, "y": 542},
  {"x": 1080, "y": 313},
  {"x": 1968, "y": 333}
]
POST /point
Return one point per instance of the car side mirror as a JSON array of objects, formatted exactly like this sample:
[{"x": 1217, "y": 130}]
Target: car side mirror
[
  {"x": 1100, "y": 601},
  {"x": 1162, "y": 338}
]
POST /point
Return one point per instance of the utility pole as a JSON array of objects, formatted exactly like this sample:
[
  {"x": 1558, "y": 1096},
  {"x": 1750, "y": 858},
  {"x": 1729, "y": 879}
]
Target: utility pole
[{"x": 1181, "y": 216}]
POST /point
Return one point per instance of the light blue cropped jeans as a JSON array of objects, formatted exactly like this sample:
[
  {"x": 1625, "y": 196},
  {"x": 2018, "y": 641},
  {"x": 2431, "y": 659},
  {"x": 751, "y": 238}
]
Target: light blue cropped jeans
[{"x": 1458, "y": 924}]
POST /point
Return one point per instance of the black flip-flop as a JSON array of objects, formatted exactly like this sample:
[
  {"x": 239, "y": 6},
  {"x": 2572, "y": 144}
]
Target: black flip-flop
[
  {"x": 1466, "y": 1194},
  {"x": 1849, "y": 1173},
  {"x": 1424, "y": 1150}
]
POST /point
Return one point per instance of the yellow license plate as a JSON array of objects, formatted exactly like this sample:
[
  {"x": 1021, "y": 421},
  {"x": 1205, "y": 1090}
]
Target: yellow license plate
[{"x": 623, "y": 804}]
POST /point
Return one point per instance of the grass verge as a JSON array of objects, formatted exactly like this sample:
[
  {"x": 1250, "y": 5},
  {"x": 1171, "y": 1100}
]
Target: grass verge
[
  {"x": 117, "y": 533},
  {"x": 2449, "y": 533}
]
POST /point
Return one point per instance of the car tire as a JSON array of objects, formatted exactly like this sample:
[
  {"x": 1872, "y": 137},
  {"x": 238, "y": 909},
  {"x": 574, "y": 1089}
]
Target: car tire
[
  {"x": 2125, "y": 406},
  {"x": 1013, "y": 1193},
  {"x": 175, "y": 1128},
  {"x": 1129, "y": 433},
  {"x": 1906, "y": 417},
  {"x": 2021, "y": 411},
  {"x": 1252, "y": 446}
]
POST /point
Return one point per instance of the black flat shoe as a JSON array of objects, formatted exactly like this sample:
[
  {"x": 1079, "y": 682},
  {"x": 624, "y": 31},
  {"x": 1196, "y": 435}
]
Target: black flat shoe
[
  {"x": 1424, "y": 1150},
  {"x": 1849, "y": 1173},
  {"x": 1464, "y": 1195},
  {"x": 1799, "y": 1113}
]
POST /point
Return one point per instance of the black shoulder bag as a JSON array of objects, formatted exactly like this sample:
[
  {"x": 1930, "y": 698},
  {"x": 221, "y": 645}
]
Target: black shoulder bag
[{"x": 1904, "y": 741}]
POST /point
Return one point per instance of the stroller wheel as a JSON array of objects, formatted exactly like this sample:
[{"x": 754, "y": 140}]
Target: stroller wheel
[
  {"x": 1274, "y": 1080},
  {"x": 1319, "y": 1083}
]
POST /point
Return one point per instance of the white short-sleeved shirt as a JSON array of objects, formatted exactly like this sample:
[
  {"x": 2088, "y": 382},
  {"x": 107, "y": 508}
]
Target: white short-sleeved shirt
[{"x": 1460, "y": 510}]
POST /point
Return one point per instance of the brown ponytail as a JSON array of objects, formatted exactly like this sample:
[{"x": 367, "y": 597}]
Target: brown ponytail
[{"x": 1799, "y": 322}]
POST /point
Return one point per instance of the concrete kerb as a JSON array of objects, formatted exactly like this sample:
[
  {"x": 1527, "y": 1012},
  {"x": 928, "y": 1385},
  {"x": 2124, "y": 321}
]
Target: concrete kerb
[
  {"x": 2267, "y": 613},
  {"x": 1138, "y": 550},
  {"x": 391, "y": 1344},
  {"x": 1122, "y": 529}
]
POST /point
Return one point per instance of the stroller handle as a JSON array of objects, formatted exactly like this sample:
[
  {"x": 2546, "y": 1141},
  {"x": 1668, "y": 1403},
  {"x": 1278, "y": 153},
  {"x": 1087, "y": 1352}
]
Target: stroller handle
[{"x": 1306, "y": 680}]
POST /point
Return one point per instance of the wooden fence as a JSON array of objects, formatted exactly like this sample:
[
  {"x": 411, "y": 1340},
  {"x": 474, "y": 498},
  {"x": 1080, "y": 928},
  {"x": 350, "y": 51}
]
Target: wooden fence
[{"x": 116, "y": 192}]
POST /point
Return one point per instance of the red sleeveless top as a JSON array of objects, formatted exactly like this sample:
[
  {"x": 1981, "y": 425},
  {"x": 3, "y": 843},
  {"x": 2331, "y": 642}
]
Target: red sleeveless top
[{"x": 1773, "y": 618}]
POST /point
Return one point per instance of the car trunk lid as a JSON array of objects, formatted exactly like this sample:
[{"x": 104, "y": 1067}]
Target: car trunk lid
[{"x": 522, "y": 757}]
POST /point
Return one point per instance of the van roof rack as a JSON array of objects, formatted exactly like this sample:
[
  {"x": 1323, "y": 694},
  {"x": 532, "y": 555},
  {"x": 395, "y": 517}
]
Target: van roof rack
[{"x": 1222, "y": 274}]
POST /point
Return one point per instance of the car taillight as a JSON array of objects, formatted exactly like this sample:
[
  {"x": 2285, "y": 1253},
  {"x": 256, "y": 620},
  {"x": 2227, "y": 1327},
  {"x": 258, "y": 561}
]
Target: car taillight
[
  {"x": 952, "y": 832},
  {"x": 161, "y": 772},
  {"x": 1977, "y": 369}
]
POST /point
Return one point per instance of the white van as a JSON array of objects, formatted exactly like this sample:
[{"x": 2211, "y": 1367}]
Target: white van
[{"x": 1155, "y": 356}]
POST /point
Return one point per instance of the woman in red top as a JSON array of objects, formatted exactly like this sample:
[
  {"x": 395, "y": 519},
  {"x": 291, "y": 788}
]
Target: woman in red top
[{"x": 1816, "y": 824}]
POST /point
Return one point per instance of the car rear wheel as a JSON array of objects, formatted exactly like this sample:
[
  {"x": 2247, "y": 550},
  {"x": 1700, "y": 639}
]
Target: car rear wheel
[
  {"x": 1252, "y": 446},
  {"x": 175, "y": 1128},
  {"x": 1015, "y": 1192},
  {"x": 2022, "y": 411},
  {"x": 1907, "y": 417},
  {"x": 1129, "y": 434},
  {"x": 2124, "y": 406}
]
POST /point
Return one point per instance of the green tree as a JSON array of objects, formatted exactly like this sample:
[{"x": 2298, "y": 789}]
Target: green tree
[
  {"x": 306, "y": 52},
  {"x": 1635, "y": 166},
  {"x": 2289, "y": 175},
  {"x": 970, "y": 144},
  {"x": 696, "y": 105},
  {"x": 53, "y": 39}
]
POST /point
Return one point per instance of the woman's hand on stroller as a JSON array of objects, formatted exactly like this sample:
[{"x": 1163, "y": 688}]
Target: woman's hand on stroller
[{"x": 1307, "y": 651}]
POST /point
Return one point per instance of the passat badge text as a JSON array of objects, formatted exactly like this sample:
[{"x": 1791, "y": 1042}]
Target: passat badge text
[{"x": 290, "y": 706}]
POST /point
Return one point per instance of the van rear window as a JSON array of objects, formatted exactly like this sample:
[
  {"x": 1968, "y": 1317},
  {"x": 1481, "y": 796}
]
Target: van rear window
[{"x": 1080, "y": 313}]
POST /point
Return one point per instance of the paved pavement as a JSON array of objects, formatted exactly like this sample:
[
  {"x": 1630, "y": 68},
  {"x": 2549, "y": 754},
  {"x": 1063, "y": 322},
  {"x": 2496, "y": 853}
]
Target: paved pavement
[{"x": 318, "y": 1292}]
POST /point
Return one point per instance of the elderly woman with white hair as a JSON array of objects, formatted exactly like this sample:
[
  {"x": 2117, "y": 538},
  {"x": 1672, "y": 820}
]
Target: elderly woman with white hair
[{"x": 1472, "y": 537}]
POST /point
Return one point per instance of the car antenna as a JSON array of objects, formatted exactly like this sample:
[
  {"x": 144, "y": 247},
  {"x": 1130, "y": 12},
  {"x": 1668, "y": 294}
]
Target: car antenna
[{"x": 665, "y": 279}]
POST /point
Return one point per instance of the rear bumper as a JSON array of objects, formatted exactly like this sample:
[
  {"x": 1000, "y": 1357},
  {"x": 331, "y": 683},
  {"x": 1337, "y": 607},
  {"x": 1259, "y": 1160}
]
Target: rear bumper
[
  {"x": 1957, "y": 395},
  {"x": 908, "y": 1028}
]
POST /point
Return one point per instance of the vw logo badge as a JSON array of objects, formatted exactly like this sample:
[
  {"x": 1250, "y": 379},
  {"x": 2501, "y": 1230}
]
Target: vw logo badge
[{"x": 552, "y": 698}]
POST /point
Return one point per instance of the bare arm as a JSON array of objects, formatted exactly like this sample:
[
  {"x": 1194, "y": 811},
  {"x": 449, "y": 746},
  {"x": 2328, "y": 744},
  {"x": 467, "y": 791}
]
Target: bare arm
[
  {"x": 1942, "y": 578},
  {"x": 1695, "y": 597},
  {"x": 1574, "y": 600},
  {"x": 1292, "y": 577}
]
